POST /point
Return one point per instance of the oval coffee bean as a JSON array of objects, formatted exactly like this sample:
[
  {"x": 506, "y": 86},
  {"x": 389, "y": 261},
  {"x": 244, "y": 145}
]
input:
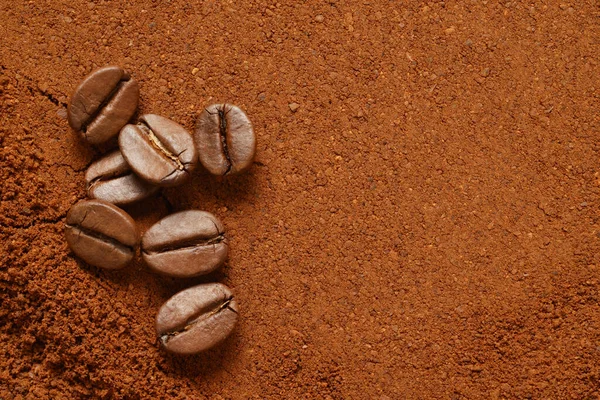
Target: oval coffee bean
[
  {"x": 110, "y": 179},
  {"x": 225, "y": 140},
  {"x": 101, "y": 234},
  {"x": 103, "y": 103},
  {"x": 185, "y": 244},
  {"x": 158, "y": 150},
  {"x": 197, "y": 318}
]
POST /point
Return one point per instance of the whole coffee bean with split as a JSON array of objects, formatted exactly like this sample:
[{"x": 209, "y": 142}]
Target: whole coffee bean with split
[
  {"x": 158, "y": 150},
  {"x": 225, "y": 140},
  {"x": 101, "y": 234},
  {"x": 185, "y": 244},
  {"x": 103, "y": 103},
  {"x": 110, "y": 179},
  {"x": 197, "y": 318}
]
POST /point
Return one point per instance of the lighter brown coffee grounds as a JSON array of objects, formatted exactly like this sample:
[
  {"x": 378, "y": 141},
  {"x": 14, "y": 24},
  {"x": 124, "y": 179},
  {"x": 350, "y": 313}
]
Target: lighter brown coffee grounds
[{"x": 421, "y": 220}]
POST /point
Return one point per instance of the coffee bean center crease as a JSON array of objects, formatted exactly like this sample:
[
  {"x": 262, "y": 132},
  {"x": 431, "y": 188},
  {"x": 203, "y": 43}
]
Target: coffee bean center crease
[
  {"x": 223, "y": 135},
  {"x": 108, "y": 176},
  {"x": 187, "y": 244},
  {"x": 100, "y": 236},
  {"x": 92, "y": 116},
  {"x": 196, "y": 318},
  {"x": 155, "y": 141}
]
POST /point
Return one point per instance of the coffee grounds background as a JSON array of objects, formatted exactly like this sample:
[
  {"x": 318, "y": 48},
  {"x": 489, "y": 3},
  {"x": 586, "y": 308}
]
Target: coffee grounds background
[{"x": 422, "y": 220}]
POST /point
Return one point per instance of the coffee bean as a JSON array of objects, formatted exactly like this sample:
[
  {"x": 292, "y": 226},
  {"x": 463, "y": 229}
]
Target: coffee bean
[
  {"x": 158, "y": 150},
  {"x": 103, "y": 103},
  {"x": 185, "y": 244},
  {"x": 225, "y": 140},
  {"x": 111, "y": 179},
  {"x": 101, "y": 234},
  {"x": 197, "y": 318}
]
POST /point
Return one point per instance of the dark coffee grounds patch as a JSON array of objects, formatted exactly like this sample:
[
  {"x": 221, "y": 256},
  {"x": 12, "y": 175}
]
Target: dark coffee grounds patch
[{"x": 421, "y": 220}]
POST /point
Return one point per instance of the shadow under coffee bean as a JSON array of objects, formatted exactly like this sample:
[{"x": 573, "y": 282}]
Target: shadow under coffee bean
[
  {"x": 103, "y": 103},
  {"x": 197, "y": 318}
]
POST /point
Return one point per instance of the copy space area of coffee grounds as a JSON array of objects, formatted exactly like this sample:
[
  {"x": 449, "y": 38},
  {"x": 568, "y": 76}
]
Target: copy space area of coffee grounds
[{"x": 421, "y": 220}]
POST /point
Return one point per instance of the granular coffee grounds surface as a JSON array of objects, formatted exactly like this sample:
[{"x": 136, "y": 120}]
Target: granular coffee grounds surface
[{"x": 422, "y": 219}]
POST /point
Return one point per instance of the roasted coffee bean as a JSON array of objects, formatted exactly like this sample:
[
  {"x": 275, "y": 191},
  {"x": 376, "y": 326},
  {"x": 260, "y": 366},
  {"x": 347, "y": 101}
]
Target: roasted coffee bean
[
  {"x": 184, "y": 244},
  {"x": 225, "y": 140},
  {"x": 158, "y": 150},
  {"x": 103, "y": 103},
  {"x": 111, "y": 179},
  {"x": 101, "y": 234},
  {"x": 197, "y": 318}
]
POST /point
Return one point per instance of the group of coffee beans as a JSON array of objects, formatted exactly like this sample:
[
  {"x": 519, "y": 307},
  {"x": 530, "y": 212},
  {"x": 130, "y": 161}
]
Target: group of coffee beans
[{"x": 157, "y": 152}]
